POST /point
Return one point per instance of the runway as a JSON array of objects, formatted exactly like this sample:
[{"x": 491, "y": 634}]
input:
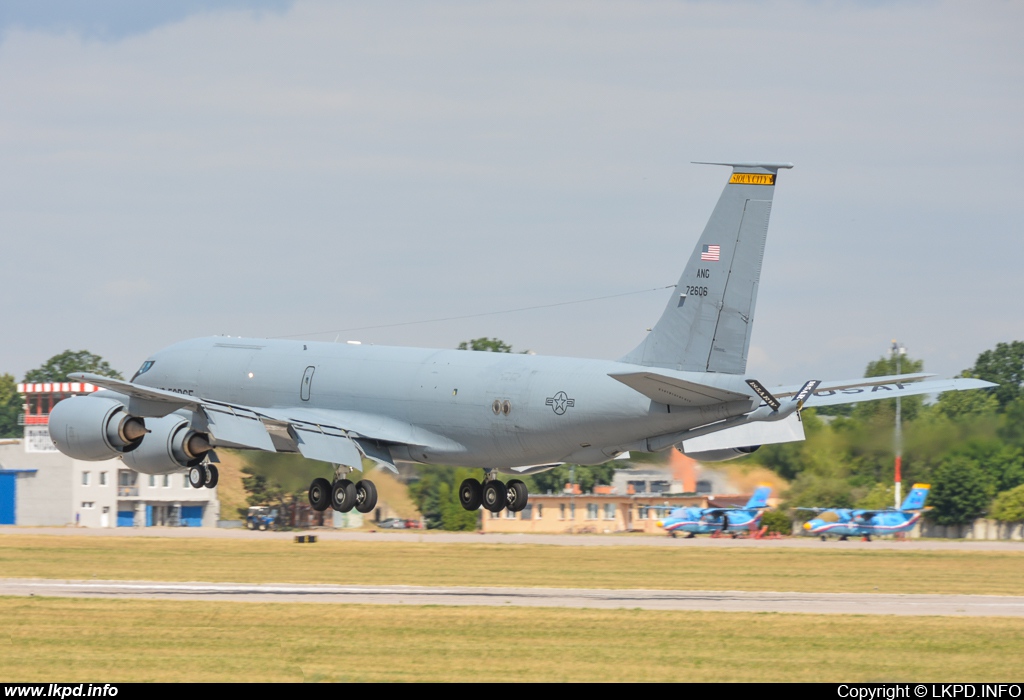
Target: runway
[
  {"x": 721, "y": 601},
  {"x": 562, "y": 540}
]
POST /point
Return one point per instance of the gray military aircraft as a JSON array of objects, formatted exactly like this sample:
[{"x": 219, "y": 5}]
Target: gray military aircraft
[{"x": 513, "y": 414}]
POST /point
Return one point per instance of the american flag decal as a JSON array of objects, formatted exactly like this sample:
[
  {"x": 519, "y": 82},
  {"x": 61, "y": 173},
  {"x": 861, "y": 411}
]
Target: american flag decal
[{"x": 710, "y": 252}]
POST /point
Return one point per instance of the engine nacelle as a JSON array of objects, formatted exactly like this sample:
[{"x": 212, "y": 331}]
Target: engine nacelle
[
  {"x": 94, "y": 428},
  {"x": 169, "y": 447},
  {"x": 723, "y": 455}
]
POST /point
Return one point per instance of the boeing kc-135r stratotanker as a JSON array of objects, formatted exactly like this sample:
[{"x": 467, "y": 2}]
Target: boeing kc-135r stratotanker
[{"x": 684, "y": 385}]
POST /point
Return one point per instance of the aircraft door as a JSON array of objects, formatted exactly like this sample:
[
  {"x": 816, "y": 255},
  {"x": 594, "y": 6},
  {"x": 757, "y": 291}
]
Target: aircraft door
[{"x": 307, "y": 383}]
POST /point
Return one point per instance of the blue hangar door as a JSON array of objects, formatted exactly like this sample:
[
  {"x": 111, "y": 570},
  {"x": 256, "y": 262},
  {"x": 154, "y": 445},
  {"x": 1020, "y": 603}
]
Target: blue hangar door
[
  {"x": 192, "y": 516},
  {"x": 8, "y": 491}
]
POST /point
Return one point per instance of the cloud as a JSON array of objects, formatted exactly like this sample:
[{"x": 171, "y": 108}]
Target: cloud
[
  {"x": 331, "y": 165},
  {"x": 113, "y": 20}
]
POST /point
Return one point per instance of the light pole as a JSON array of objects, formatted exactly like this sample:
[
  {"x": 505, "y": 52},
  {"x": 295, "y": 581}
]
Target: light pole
[{"x": 898, "y": 351}]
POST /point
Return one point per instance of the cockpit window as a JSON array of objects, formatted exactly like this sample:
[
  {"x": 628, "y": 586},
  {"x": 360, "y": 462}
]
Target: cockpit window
[{"x": 142, "y": 370}]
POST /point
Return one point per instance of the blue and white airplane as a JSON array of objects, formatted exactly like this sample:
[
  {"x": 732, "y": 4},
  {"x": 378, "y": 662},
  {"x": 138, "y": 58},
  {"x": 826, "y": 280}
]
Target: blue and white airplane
[
  {"x": 849, "y": 522},
  {"x": 709, "y": 520}
]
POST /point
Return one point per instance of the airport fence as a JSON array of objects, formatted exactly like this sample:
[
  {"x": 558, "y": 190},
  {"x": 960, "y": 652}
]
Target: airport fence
[{"x": 980, "y": 529}]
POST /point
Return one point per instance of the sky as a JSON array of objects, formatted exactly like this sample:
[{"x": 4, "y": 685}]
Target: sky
[{"x": 354, "y": 171}]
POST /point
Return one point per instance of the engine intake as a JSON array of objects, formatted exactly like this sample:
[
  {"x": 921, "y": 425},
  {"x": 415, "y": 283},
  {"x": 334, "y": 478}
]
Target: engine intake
[{"x": 94, "y": 428}]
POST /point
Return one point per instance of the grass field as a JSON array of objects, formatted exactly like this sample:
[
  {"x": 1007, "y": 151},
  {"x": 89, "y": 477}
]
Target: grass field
[
  {"x": 90, "y": 640},
  {"x": 432, "y": 563}
]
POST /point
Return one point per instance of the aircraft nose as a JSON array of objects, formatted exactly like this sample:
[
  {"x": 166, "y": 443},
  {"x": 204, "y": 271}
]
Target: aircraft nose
[
  {"x": 807, "y": 525},
  {"x": 661, "y": 523}
]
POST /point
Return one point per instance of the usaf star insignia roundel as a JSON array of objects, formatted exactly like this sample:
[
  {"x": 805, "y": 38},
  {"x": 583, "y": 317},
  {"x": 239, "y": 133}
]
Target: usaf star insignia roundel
[{"x": 559, "y": 402}]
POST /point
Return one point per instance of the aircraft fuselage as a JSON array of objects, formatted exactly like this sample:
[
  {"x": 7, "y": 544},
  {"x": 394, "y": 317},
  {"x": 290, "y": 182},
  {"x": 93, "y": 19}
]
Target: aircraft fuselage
[
  {"x": 849, "y": 524},
  {"x": 476, "y": 409},
  {"x": 700, "y": 522}
]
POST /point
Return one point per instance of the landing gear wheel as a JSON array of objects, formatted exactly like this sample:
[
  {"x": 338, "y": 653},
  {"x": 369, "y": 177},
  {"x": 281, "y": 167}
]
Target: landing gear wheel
[
  {"x": 366, "y": 496},
  {"x": 343, "y": 495},
  {"x": 842, "y": 538},
  {"x": 495, "y": 496},
  {"x": 212, "y": 476},
  {"x": 824, "y": 539},
  {"x": 470, "y": 494},
  {"x": 197, "y": 476},
  {"x": 691, "y": 536},
  {"x": 517, "y": 495},
  {"x": 320, "y": 494},
  {"x": 672, "y": 534}
]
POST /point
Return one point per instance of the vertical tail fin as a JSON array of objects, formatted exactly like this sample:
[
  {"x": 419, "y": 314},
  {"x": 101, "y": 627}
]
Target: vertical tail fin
[
  {"x": 706, "y": 325},
  {"x": 760, "y": 497},
  {"x": 915, "y": 499}
]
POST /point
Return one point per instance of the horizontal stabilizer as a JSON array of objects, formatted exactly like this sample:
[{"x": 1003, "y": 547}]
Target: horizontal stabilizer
[
  {"x": 841, "y": 384},
  {"x": 831, "y": 397},
  {"x": 676, "y": 392},
  {"x": 789, "y": 429}
]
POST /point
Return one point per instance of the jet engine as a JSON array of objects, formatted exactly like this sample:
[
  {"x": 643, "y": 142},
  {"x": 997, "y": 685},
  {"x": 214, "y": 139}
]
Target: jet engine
[
  {"x": 724, "y": 454},
  {"x": 169, "y": 447},
  {"x": 94, "y": 428}
]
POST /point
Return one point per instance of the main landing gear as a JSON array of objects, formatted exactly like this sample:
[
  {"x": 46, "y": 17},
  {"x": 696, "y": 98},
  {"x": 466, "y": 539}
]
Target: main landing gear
[
  {"x": 493, "y": 495},
  {"x": 203, "y": 475},
  {"x": 343, "y": 495}
]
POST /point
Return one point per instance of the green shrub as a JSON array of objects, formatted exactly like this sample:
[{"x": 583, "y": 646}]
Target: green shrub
[
  {"x": 1009, "y": 505},
  {"x": 777, "y": 521}
]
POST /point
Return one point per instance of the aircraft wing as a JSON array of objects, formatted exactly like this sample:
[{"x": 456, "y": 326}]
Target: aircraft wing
[
  {"x": 676, "y": 392},
  {"x": 339, "y": 437},
  {"x": 151, "y": 403}
]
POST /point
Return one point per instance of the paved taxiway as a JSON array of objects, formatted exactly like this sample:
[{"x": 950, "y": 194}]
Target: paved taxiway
[
  {"x": 721, "y": 601},
  {"x": 609, "y": 540}
]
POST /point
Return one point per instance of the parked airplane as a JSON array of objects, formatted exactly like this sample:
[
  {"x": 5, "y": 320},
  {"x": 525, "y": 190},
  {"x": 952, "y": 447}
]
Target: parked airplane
[
  {"x": 508, "y": 413},
  {"x": 703, "y": 521},
  {"x": 849, "y": 522}
]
